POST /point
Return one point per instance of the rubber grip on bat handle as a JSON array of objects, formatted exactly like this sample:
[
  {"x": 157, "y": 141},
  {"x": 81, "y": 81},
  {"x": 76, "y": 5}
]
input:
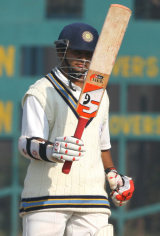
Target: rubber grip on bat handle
[{"x": 78, "y": 134}]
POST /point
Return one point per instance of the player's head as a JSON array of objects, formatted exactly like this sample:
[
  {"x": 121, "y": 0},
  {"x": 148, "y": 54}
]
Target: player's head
[
  {"x": 76, "y": 42},
  {"x": 79, "y": 36}
]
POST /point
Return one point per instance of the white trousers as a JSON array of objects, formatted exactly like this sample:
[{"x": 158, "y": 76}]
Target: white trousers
[{"x": 63, "y": 224}]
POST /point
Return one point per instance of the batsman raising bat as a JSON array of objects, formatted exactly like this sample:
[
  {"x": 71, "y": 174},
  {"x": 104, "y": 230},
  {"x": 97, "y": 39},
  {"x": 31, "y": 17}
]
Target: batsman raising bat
[{"x": 64, "y": 123}]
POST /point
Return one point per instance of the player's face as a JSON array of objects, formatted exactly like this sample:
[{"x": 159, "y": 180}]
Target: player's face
[
  {"x": 78, "y": 60},
  {"x": 75, "y": 65}
]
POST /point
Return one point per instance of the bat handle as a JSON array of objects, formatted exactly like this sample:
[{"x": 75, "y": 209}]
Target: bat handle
[{"x": 78, "y": 134}]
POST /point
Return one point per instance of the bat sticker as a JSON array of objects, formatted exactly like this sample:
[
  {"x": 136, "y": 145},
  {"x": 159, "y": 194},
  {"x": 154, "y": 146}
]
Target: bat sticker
[
  {"x": 89, "y": 102},
  {"x": 87, "y": 99},
  {"x": 96, "y": 78}
]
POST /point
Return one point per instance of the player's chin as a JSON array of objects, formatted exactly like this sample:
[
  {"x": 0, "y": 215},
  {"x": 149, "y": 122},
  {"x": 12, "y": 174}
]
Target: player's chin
[{"x": 78, "y": 78}]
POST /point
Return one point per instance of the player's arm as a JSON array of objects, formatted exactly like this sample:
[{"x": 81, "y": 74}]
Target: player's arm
[
  {"x": 107, "y": 159},
  {"x": 62, "y": 149},
  {"x": 122, "y": 187},
  {"x": 33, "y": 142}
]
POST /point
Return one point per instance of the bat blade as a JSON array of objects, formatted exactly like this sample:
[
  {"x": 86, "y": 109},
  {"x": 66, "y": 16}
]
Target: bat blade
[{"x": 101, "y": 66}]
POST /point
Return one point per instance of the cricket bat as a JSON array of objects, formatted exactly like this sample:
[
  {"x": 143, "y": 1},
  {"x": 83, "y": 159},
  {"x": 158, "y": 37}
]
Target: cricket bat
[{"x": 100, "y": 68}]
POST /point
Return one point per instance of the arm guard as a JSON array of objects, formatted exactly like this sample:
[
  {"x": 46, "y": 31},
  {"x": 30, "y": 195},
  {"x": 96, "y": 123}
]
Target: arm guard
[{"x": 36, "y": 148}]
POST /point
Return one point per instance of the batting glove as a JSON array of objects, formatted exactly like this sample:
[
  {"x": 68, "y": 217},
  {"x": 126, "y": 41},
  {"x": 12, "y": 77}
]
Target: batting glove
[
  {"x": 123, "y": 194},
  {"x": 124, "y": 187},
  {"x": 68, "y": 149}
]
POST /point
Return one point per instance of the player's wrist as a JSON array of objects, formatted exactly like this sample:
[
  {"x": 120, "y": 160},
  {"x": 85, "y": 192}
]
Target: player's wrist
[{"x": 107, "y": 170}]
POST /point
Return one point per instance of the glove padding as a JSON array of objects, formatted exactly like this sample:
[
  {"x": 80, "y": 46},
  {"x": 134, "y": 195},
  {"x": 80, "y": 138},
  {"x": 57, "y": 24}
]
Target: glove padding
[
  {"x": 114, "y": 179},
  {"x": 68, "y": 149},
  {"x": 123, "y": 194}
]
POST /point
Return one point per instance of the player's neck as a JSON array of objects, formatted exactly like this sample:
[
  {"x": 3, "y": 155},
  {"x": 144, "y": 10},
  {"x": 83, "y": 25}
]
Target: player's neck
[{"x": 78, "y": 83}]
